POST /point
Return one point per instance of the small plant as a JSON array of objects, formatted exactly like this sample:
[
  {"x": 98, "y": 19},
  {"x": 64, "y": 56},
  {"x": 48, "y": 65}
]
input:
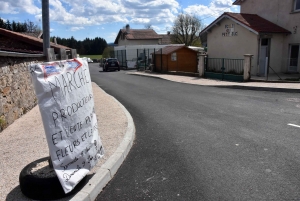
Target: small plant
[{"x": 2, "y": 123}]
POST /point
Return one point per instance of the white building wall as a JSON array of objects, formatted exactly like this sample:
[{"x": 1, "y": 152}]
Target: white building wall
[
  {"x": 137, "y": 42},
  {"x": 233, "y": 47},
  {"x": 281, "y": 13}
]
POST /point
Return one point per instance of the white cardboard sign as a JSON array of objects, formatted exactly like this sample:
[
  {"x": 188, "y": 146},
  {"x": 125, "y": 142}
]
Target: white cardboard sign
[{"x": 66, "y": 103}]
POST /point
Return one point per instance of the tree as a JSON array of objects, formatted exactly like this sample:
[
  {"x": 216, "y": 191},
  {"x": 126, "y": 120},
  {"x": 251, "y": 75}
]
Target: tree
[
  {"x": 31, "y": 27},
  {"x": 107, "y": 51},
  {"x": 148, "y": 26},
  {"x": 8, "y": 25},
  {"x": 186, "y": 30}
]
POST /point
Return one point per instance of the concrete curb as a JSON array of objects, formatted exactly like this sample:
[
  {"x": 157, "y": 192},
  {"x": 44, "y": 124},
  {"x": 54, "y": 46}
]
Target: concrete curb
[
  {"x": 257, "y": 88},
  {"x": 107, "y": 171}
]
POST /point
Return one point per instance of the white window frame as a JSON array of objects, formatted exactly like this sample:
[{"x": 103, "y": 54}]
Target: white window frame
[
  {"x": 174, "y": 56},
  {"x": 295, "y": 3}
]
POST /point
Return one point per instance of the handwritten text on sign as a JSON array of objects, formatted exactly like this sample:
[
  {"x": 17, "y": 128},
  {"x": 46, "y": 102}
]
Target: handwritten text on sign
[{"x": 66, "y": 103}]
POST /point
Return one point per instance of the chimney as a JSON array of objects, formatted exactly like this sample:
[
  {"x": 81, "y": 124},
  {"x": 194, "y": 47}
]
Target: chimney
[
  {"x": 55, "y": 41},
  {"x": 127, "y": 28}
]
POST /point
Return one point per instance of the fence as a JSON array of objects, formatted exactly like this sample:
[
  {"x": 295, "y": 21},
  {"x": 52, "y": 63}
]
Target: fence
[
  {"x": 134, "y": 58},
  {"x": 222, "y": 65}
]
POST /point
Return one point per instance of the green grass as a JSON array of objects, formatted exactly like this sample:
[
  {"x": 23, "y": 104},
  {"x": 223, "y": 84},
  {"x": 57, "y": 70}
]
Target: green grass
[{"x": 91, "y": 56}]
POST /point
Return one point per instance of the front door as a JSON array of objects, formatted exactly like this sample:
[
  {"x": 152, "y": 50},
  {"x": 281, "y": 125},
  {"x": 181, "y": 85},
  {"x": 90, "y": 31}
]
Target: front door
[
  {"x": 293, "y": 58},
  {"x": 263, "y": 56}
]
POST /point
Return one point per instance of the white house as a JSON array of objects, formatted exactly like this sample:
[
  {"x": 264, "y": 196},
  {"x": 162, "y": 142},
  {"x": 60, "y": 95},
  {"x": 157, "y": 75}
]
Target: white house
[{"x": 269, "y": 30}]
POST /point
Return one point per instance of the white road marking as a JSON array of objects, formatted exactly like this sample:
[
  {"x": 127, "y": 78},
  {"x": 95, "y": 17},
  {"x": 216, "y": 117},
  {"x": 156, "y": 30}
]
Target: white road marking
[{"x": 294, "y": 125}]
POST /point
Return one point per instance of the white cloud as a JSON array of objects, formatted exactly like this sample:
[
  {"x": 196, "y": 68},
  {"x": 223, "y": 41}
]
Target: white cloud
[
  {"x": 113, "y": 35},
  {"x": 214, "y": 9},
  {"x": 19, "y": 6},
  {"x": 76, "y": 28}
]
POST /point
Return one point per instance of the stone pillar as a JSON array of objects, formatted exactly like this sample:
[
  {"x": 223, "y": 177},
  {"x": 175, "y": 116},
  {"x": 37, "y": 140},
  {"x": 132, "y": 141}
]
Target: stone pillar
[
  {"x": 50, "y": 54},
  {"x": 201, "y": 64},
  {"x": 247, "y": 67},
  {"x": 63, "y": 54},
  {"x": 73, "y": 53}
]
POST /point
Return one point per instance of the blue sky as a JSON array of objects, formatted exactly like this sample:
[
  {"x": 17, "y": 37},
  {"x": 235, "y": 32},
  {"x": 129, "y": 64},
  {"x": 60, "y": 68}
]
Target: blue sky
[{"x": 104, "y": 18}]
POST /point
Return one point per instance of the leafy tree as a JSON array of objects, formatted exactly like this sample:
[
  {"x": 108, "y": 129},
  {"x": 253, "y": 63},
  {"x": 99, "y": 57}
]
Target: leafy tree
[
  {"x": 186, "y": 29},
  {"x": 107, "y": 51}
]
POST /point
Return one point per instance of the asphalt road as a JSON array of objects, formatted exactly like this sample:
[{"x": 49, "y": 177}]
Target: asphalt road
[{"x": 205, "y": 143}]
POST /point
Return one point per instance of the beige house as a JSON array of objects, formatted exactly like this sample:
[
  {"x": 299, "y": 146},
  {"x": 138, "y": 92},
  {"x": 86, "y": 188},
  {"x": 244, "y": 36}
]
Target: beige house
[
  {"x": 269, "y": 30},
  {"x": 128, "y": 37}
]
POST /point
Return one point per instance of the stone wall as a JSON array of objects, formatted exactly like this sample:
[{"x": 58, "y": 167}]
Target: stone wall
[{"x": 17, "y": 95}]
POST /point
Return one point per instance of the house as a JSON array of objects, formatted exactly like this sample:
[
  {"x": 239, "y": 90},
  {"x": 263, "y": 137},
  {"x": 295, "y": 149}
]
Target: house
[
  {"x": 11, "y": 41},
  {"x": 127, "y": 37},
  {"x": 178, "y": 58},
  {"x": 132, "y": 44},
  {"x": 266, "y": 29}
]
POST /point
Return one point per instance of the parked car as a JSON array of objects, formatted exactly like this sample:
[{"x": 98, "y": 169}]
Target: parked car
[{"x": 111, "y": 64}]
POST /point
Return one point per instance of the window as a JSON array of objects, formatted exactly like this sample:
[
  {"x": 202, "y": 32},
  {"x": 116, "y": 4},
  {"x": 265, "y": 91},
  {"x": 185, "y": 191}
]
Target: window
[
  {"x": 297, "y": 5},
  {"x": 173, "y": 56}
]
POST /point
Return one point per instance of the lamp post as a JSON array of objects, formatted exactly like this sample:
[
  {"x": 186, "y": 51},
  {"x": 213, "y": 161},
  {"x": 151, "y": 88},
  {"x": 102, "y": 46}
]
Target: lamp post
[{"x": 46, "y": 26}]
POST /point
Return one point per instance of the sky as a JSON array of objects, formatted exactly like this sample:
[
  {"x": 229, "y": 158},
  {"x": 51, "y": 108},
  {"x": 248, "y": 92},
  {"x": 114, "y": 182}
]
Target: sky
[{"x": 104, "y": 18}]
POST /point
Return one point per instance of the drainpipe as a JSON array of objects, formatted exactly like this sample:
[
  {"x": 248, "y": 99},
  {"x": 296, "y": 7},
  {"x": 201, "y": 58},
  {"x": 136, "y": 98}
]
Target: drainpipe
[{"x": 46, "y": 26}]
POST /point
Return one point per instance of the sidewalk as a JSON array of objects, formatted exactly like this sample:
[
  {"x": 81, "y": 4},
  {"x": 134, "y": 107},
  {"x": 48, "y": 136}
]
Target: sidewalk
[
  {"x": 256, "y": 83},
  {"x": 24, "y": 142}
]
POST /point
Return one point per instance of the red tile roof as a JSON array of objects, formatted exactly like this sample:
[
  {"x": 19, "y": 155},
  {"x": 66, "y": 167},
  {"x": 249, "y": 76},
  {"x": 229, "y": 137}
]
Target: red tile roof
[
  {"x": 238, "y": 2},
  {"x": 172, "y": 48},
  {"x": 252, "y": 22},
  {"x": 29, "y": 39},
  {"x": 138, "y": 34}
]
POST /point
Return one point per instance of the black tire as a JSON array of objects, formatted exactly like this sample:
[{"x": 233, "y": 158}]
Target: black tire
[
  {"x": 119, "y": 69},
  {"x": 38, "y": 188}
]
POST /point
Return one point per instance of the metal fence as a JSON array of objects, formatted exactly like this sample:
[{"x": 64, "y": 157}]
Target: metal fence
[
  {"x": 222, "y": 65},
  {"x": 134, "y": 58}
]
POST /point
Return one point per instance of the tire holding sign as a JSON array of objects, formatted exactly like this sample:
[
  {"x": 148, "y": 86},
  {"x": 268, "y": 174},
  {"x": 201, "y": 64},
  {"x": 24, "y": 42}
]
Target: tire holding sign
[{"x": 66, "y": 103}]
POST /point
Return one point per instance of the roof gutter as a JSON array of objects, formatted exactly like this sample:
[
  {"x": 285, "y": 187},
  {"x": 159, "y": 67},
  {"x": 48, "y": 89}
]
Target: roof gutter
[{"x": 18, "y": 54}]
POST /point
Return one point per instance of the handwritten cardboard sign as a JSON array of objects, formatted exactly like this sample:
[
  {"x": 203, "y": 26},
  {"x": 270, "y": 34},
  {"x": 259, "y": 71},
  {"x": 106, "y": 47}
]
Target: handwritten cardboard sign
[{"x": 66, "y": 103}]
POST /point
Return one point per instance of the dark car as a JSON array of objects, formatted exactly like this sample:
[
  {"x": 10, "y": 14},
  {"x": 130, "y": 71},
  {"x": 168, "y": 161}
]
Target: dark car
[{"x": 111, "y": 64}]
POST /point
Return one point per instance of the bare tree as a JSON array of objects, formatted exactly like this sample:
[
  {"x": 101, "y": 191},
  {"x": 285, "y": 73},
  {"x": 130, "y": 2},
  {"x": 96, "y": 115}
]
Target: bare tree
[
  {"x": 186, "y": 29},
  {"x": 32, "y": 27},
  {"x": 148, "y": 26}
]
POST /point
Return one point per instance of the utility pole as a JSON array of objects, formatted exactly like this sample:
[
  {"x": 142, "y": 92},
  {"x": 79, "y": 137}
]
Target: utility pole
[{"x": 46, "y": 26}]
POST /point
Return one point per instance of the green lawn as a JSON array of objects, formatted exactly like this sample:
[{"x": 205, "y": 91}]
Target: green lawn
[{"x": 92, "y": 56}]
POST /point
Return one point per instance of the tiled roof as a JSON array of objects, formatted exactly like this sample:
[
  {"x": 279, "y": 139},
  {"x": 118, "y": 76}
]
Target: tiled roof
[
  {"x": 29, "y": 39},
  {"x": 172, "y": 48},
  {"x": 238, "y": 2},
  {"x": 257, "y": 23},
  {"x": 34, "y": 34},
  {"x": 138, "y": 34},
  {"x": 10, "y": 49},
  {"x": 250, "y": 21}
]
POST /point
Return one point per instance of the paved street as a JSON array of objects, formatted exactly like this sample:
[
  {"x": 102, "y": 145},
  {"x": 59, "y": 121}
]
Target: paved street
[{"x": 205, "y": 143}]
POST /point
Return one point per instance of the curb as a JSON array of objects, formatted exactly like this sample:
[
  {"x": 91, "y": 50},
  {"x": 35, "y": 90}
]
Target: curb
[
  {"x": 257, "y": 88},
  {"x": 107, "y": 171}
]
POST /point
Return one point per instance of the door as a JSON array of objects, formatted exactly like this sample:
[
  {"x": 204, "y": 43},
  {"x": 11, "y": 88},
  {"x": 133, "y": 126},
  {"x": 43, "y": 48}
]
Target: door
[
  {"x": 293, "y": 61},
  {"x": 263, "y": 56}
]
